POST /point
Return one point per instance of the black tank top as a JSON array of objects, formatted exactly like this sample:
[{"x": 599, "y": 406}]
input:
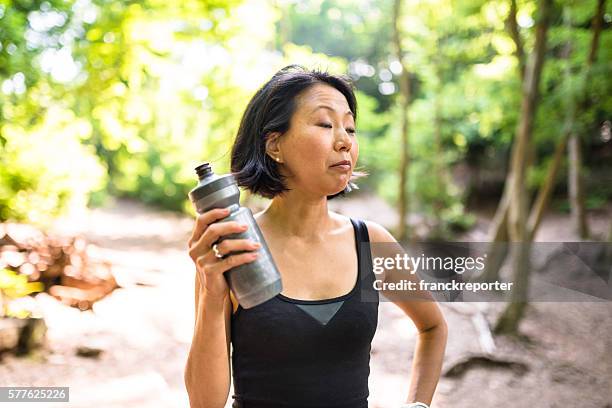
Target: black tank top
[{"x": 290, "y": 353}]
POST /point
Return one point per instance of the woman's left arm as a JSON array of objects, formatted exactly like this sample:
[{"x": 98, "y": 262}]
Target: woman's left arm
[{"x": 432, "y": 331}]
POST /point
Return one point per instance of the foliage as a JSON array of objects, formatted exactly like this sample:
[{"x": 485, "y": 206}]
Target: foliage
[
  {"x": 126, "y": 98},
  {"x": 46, "y": 168},
  {"x": 14, "y": 286}
]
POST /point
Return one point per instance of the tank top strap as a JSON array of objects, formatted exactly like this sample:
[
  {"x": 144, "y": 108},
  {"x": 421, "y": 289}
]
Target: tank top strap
[
  {"x": 361, "y": 230},
  {"x": 365, "y": 268},
  {"x": 362, "y": 242}
]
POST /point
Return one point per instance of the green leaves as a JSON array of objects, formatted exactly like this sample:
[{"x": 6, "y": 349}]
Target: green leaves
[
  {"x": 128, "y": 96},
  {"x": 14, "y": 286}
]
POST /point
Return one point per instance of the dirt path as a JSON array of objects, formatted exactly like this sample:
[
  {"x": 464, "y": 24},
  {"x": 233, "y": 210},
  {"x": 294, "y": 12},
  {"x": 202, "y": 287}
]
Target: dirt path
[{"x": 145, "y": 330}]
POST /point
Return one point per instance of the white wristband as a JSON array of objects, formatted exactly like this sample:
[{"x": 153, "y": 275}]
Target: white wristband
[{"x": 415, "y": 405}]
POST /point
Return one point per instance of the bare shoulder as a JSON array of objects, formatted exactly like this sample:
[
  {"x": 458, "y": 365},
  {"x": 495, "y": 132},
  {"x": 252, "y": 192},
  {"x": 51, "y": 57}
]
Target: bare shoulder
[{"x": 378, "y": 233}]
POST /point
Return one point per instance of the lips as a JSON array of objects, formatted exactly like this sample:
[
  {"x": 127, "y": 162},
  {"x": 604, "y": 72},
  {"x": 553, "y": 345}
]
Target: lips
[{"x": 343, "y": 163}]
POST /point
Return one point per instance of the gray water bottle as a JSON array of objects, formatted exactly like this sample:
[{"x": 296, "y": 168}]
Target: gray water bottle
[{"x": 252, "y": 283}]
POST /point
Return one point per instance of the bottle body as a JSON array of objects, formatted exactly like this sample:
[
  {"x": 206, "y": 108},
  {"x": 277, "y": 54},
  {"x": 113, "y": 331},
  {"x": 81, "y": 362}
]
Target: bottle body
[
  {"x": 255, "y": 282},
  {"x": 252, "y": 283}
]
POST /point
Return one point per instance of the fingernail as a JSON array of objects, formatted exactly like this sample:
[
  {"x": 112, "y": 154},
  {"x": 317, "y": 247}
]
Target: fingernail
[
  {"x": 256, "y": 245},
  {"x": 244, "y": 227}
]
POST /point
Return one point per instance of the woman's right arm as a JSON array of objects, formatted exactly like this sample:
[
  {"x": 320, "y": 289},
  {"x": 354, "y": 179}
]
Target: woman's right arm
[{"x": 207, "y": 372}]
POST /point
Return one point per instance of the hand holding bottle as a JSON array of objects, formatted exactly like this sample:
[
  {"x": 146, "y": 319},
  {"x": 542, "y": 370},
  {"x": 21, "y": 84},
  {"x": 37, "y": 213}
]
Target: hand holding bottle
[
  {"x": 210, "y": 266},
  {"x": 252, "y": 283}
]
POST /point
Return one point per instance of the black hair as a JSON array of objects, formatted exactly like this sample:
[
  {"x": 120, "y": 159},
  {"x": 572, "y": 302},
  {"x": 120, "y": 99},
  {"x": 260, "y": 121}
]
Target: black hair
[{"x": 270, "y": 110}]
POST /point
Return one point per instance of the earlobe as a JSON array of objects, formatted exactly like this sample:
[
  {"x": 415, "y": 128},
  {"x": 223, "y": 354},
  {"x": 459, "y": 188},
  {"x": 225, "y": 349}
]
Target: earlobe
[{"x": 273, "y": 148}]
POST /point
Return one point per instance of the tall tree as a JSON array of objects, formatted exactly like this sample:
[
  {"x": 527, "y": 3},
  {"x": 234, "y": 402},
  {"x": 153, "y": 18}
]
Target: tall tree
[
  {"x": 498, "y": 231},
  {"x": 517, "y": 217},
  {"x": 575, "y": 173},
  {"x": 404, "y": 105},
  {"x": 577, "y": 103},
  {"x": 574, "y": 108}
]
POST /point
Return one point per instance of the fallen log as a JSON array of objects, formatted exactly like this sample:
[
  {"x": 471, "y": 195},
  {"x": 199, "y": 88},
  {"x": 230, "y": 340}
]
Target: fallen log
[{"x": 61, "y": 264}]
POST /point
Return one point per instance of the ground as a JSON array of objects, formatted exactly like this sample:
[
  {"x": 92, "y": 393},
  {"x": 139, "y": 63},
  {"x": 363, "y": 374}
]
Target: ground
[{"x": 145, "y": 328}]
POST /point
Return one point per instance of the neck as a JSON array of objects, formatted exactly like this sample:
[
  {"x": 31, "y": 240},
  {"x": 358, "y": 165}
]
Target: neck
[{"x": 298, "y": 215}]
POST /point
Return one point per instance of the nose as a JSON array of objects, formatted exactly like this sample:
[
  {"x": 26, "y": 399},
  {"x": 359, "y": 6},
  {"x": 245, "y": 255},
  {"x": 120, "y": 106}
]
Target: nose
[{"x": 343, "y": 141}]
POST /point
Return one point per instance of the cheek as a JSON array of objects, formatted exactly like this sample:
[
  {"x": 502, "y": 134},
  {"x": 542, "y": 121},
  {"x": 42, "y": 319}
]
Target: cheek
[{"x": 311, "y": 150}]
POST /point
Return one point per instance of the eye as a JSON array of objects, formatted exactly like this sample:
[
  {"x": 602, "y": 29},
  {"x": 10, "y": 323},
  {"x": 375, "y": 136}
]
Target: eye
[{"x": 329, "y": 126}]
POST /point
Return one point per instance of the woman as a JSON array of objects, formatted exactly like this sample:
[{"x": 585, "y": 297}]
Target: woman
[{"x": 309, "y": 346}]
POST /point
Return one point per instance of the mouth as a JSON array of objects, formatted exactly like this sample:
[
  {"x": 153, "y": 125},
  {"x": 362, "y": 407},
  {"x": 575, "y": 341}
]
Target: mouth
[{"x": 344, "y": 164}]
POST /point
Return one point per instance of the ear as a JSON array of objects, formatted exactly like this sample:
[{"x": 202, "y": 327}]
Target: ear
[{"x": 273, "y": 148}]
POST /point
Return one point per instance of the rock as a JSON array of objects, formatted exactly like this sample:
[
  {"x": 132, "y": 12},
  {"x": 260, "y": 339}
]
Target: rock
[
  {"x": 22, "y": 335},
  {"x": 9, "y": 333},
  {"x": 86, "y": 351},
  {"x": 33, "y": 335}
]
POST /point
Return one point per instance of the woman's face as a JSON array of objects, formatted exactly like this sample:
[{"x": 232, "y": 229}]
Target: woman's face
[{"x": 321, "y": 134}]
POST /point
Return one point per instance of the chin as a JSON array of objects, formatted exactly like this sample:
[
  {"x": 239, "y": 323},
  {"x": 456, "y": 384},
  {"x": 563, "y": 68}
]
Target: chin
[
  {"x": 337, "y": 190},
  {"x": 332, "y": 187}
]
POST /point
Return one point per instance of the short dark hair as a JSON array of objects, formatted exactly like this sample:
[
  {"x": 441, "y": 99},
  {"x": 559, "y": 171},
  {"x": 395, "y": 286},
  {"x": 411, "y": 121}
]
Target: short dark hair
[{"x": 270, "y": 110}]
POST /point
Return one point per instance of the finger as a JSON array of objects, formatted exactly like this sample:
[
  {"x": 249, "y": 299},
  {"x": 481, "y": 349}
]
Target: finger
[
  {"x": 232, "y": 245},
  {"x": 216, "y": 230},
  {"x": 231, "y": 262},
  {"x": 204, "y": 220},
  {"x": 212, "y": 234}
]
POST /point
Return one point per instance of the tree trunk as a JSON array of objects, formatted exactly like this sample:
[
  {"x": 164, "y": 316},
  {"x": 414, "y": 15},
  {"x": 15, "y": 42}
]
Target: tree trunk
[
  {"x": 514, "y": 312},
  {"x": 498, "y": 231},
  {"x": 576, "y": 187},
  {"x": 440, "y": 173},
  {"x": 404, "y": 82},
  {"x": 608, "y": 255},
  {"x": 575, "y": 174},
  {"x": 498, "y": 252},
  {"x": 546, "y": 189},
  {"x": 517, "y": 216},
  {"x": 498, "y": 236},
  {"x": 513, "y": 29},
  {"x": 438, "y": 169}
]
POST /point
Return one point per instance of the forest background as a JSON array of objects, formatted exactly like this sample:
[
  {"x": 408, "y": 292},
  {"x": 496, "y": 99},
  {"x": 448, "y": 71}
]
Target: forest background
[{"x": 469, "y": 110}]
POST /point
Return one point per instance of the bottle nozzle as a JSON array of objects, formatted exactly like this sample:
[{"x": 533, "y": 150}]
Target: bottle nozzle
[{"x": 203, "y": 170}]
